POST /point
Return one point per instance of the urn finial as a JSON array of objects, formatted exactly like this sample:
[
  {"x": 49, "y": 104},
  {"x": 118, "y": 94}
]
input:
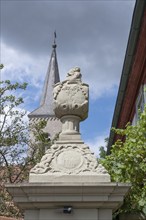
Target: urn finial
[{"x": 71, "y": 104}]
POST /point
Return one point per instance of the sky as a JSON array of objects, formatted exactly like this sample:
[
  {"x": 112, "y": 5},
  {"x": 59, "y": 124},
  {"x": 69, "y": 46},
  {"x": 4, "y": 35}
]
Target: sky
[{"x": 90, "y": 34}]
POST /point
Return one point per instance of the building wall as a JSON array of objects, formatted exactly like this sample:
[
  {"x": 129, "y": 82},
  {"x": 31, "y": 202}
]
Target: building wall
[
  {"x": 53, "y": 126},
  {"x": 137, "y": 78}
]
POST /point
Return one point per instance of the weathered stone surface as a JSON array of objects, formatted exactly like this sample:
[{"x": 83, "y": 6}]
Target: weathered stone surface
[
  {"x": 70, "y": 128},
  {"x": 64, "y": 159},
  {"x": 38, "y": 196},
  {"x": 70, "y": 160},
  {"x": 69, "y": 163},
  {"x": 71, "y": 96}
]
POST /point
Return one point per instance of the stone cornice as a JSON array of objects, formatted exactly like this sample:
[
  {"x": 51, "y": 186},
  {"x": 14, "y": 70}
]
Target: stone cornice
[{"x": 81, "y": 195}]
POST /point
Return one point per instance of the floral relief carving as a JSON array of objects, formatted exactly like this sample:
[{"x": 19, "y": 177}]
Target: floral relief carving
[{"x": 68, "y": 159}]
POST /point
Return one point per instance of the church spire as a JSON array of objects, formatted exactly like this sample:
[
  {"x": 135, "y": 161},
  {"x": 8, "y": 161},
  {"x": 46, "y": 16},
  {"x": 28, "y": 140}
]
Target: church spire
[{"x": 52, "y": 77}]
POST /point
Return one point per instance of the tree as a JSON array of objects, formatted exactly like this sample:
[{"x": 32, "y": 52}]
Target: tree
[
  {"x": 13, "y": 127},
  {"x": 127, "y": 163},
  {"x": 1, "y": 66},
  {"x": 40, "y": 141},
  {"x": 103, "y": 150},
  {"x": 15, "y": 161}
]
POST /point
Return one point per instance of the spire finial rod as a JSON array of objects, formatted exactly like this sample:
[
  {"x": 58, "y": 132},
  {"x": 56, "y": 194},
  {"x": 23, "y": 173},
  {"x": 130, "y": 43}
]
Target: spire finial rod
[{"x": 54, "y": 44}]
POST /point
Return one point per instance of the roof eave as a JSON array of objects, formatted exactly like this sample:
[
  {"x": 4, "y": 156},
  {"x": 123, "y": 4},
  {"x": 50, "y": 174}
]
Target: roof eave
[{"x": 130, "y": 51}]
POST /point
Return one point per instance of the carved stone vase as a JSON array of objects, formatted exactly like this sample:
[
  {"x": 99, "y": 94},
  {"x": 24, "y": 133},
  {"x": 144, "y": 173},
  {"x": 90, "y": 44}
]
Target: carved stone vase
[
  {"x": 69, "y": 159},
  {"x": 71, "y": 106}
]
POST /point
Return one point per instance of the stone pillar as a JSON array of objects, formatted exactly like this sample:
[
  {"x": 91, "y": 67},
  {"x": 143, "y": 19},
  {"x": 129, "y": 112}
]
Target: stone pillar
[{"x": 68, "y": 183}]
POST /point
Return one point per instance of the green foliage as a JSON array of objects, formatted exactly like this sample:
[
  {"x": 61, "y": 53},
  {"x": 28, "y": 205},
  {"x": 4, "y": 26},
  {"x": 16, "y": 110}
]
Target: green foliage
[
  {"x": 13, "y": 128},
  {"x": 103, "y": 150},
  {"x": 13, "y": 143},
  {"x": 39, "y": 142},
  {"x": 1, "y": 66},
  {"x": 18, "y": 154},
  {"x": 127, "y": 163}
]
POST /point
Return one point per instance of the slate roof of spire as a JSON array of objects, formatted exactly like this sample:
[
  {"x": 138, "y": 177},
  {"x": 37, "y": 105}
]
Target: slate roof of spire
[{"x": 52, "y": 77}]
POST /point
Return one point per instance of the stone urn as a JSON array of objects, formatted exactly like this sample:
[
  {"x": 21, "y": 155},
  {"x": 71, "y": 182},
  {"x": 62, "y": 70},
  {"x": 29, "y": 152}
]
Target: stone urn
[{"x": 71, "y": 104}]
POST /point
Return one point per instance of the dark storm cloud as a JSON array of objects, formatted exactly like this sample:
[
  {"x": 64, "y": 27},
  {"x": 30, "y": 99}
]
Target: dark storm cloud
[
  {"x": 91, "y": 34},
  {"x": 81, "y": 26}
]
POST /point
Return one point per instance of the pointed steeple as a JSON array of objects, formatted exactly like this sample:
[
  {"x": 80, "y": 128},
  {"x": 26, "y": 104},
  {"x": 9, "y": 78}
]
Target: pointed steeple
[{"x": 52, "y": 77}]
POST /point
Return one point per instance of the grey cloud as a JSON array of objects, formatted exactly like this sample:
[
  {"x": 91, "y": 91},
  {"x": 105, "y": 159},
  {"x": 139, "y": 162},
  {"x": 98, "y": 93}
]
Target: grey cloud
[
  {"x": 81, "y": 26},
  {"x": 89, "y": 33}
]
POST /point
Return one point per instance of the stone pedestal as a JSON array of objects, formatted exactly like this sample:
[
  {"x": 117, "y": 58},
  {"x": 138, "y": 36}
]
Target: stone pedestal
[
  {"x": 70, "y": 201},
  {"x": 69, "y": 183}
]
